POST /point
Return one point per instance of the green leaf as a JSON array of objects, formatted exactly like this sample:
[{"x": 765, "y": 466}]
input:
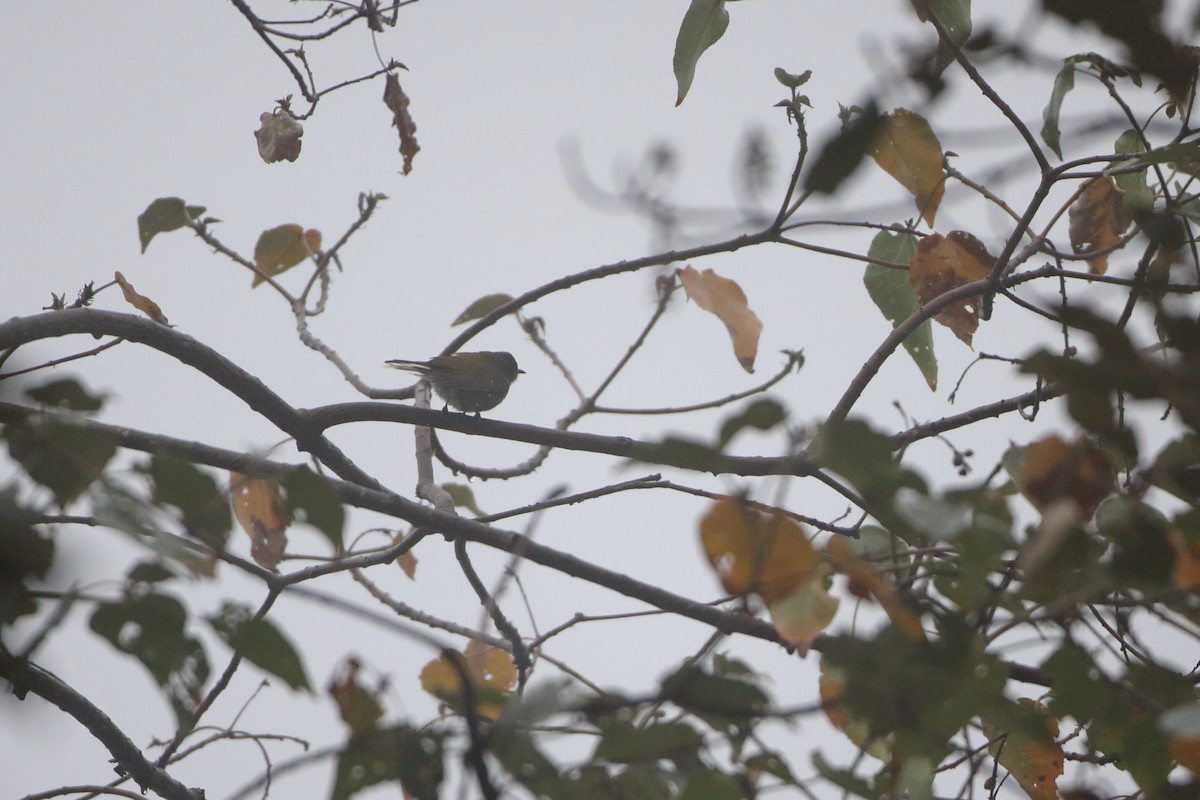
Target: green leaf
[
  {"x": 308, "y": 493},
  {"x": 163, "y": 215},
  {"x": 703, "y": 24},
  {"x": 24, "y": 554},
  {"x": 151, "y": 628},
  {"x": 627, "y": 744},
  {"x": 842, "y": 154},
  {"x": 676, "y": 451},
  {"x": 710, "y": 695},
  {"x": 1138, "y": 199},
  {"x": 481, "y": 308},
  {"x": 414, "y": 757},
  {"x": 1063, "y": 83},
  {"x": 762, "y": 415},
  {"x": 791, "y": 80},
  {"x": 463, "y": 497},
  {"x": 260, "y": 643},
  {"x": 205, "y": 508},
  {"x": 65, "y": 393},
  {"x": 144, "y": 522},
  {"x": 64, "y": 458},
  {"x": 892, "y": 293},
  {"x": 955, "y": 16},
  {"x": 711, "y": 784}
]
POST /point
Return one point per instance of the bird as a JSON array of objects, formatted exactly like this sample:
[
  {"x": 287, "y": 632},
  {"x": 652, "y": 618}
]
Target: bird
[{"x": 469, "y": 382}]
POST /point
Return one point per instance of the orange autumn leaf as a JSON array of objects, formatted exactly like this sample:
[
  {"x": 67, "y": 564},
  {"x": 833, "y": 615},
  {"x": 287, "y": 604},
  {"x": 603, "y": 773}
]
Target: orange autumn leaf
[
  {"x": 281, "y": 248},
  {"x": 756, "y": 552},
  {"x": 1052, "y": 470},
  {"x": 908, "y": 150},
  {"x": 1097, "y": 220},
  {"x": 491, "y": 671},
  {"x": 726, "y": 299},
  {"x": 259, "y": 508},
  {"x": 865, "y": 578},
  {"x": 1035, "y": 761},
  {"x": 1186, "y": 572},
  {"x": 943, "y": 263},
  {"x": 140, "y": 302}
]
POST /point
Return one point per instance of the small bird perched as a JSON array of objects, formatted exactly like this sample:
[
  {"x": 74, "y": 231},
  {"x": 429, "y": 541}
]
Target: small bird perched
[{"x": 471, "y": 382}]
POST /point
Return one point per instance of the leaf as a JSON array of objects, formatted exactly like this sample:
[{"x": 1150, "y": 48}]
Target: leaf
[
  {"x": 908, "y": 150},
  {"x": 762, "y": 415},
  {"x": 842, "y": 154},
  {"x": 481, "y": 308},
  {"x": 943, "y": 263},
  {"x": 703, "y": 24},
  {"x": 955, "y": 16},
  {"x": 24, "y": 553},
  {"x": 630, "y": 744},
  {"x": 791, "y": 80},
  {"x": 1098, "y": 218},
  {"x": 1028, "y": 749},
  {"x": 259, "y": 507},
  {"x": 140, "y": 302},
  {"x": 1053, "y": 470},
  {"x": 151, "y": 628},
  {"x": 357, "y": 705},
  {"x": 463, "y": 497},
  {"x": 196, "y": 494},
  {"x": 67, "y": 394},
  {"x": 893, "y": 294},
  {"x": 714, "y": 696},
  {"x": 1138, "y": 199},
  {"x": 1063, "y": 83},
  {"x": 308, "y": 493},
  {"x": 281, "y": 248},
  {"x": 260, "y": 643},
  {"x": 726, "y": 299},
  {"x": 752, "y": 551},
  {"x": 397, "y": 102},
  {"x": 163, "y": 215},
  {"x": 831, "y": 686},
  {"x": 491, "y": 670},
  {"x": 802, "y": 615},
  {"x": 278, "y": 137},
  {"x": 865, "y": 580},
  {"x": 64, "y": 458},
  {"x": 414, "y": 757}
]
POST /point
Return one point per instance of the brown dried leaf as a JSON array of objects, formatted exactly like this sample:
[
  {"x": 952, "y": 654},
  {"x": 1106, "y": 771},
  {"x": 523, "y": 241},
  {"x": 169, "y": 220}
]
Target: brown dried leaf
[
  {"x": 943, "y": 263},
  {"x": 278, "y": 137},
  {"x": 908, "y": 150},
  {"x": 868, "y": 580},
  {"x": 1098, "y": 218},
  {"x": 259, "y": 508},
  {"x": 141, "y": 302},
  {"x": 407, "y": 562},
  {"x": 358, "y": 706},
  {"x": 396, "y": 100},
  {"x": 1053, "y": 470},
  {"x": 726, "y": 299},
  {"x": 281, "y": 248}
]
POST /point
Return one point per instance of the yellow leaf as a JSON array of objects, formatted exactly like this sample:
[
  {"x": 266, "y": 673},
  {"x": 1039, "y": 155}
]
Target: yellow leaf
[
  {"x": 804, "y": 613},
  {"x": 1052, "y": 470},
  {"x": 140, "y": 302},
  {"x": 831, "y": 686},
  {"x": 865, "y": 578},
  {"x": 908, "y": 150},
  {"x": 259, "y": 508},
  {"x": 407, "y": 562},
  {"x": 1098, "y": 218},
  {"x": 283, "y": 247},
  {"x": 752, "y": 551},
  {"x": 491, "y": 671},
  {"x": 1035, "y": 761},
  {"x": 943, "y": 263},
  {"x": 726, "y": 299}
]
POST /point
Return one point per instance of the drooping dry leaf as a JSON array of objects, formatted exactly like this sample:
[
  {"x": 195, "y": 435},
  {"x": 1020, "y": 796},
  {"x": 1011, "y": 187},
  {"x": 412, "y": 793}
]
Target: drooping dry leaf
[
  {"x": 141, "y": 302},
  {"x": 1186, "y": 572},
  {"x": 802, "y": 615},
  {"x": 752, "y": 551},
  {"x": 943, "y": 263},
  {"x": 278, "y": 137},
  {"x": 908, "y": 150},
  {"x": 259, "y": 508},
  {"x": 1036, "y": 762},
  {"x": 281, "y": 248},
  {"x": 1098, "y": 218},
  {"x": 831, "y": 687},
  {"x": 1053, "y": 470},
  {"x": 491, "y": 670},
  {"x": 726, "y": 299},
  {"x": 357, "y": 705},
  {"x": 865, "y": 579},
  {"x": 407, "y": 562},
  {"x": 397, "y": 101}
]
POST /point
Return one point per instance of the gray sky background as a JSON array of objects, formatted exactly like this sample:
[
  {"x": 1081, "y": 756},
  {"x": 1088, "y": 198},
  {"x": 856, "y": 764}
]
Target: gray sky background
[{"x": 108, "y": 106}]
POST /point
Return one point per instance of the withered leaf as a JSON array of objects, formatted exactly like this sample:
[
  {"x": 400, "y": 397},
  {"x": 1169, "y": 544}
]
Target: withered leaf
[
  {"x": 396, "y": 100},
  {"x": 259, "y": 508},
  {"x": 908, "y": 150},
  {"x": 943, "y": 263},
  {"x": 726, "y": 299},
  {"x": 283, "y": 247},
  {"x": 753, "y": 551},
  {"x": 141, "y": 302},
  {"x": 491, "y": 669},
  {"x": 278, "y": 137},
  {"x": 1052, "y": 470},
  {"x": 1098, "y": 218}
]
